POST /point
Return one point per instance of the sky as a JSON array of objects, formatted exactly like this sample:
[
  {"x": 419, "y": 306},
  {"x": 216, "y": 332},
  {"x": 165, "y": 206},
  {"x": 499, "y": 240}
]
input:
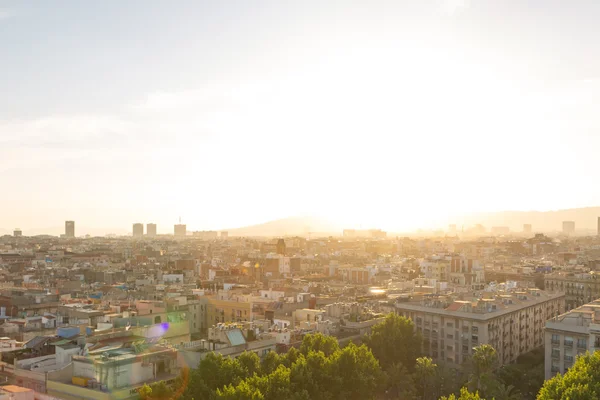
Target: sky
[{"x": 390, "y": 114}]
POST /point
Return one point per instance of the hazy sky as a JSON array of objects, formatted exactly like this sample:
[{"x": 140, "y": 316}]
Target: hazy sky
[{"x": 226, "y": 113}]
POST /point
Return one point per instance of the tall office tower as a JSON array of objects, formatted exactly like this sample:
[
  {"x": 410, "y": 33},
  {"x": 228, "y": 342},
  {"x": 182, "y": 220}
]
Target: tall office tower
[
  {"x": 180, "y": 230},
  {"x": 151, "y": 230},
  {"x": 527, "y": 228},
  {"x": 138, "y": 230},
  {"x": 18, "y": 233},
  {"x": 568, "y": 227},
  {"x": 70, "y": 229}
]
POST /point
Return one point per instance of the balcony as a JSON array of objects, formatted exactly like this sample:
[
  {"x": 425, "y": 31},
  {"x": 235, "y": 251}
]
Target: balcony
[
  {"x": 556, "y": 355},
  {"x": 568, "y": 343},
  {"x": 581, "y": 345}
]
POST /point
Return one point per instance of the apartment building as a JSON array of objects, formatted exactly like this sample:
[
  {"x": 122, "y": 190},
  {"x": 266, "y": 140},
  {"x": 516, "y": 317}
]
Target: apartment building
[
  {"x": 358, "y": 275},
  {"x": 114, "y": 374},
  {"x": 197, "y": 315},
  {"x": 579, "y": 288},
  {"x": 512, "y": 321},
  {"x": 569, "y": 335},
  {"x": 220, "y": 310}
]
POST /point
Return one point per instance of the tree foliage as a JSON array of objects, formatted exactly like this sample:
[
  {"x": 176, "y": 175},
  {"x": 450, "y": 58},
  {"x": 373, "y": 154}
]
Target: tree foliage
[
  {"x": 425, "y": 371},
  {"x": 581, "y": 381},
  {"x": 145, "y": 392},
  {"x": 386, "y": 367},
  {"x": 399, "y": 383},
  {"x": 526, "y": 376},
  {"x": 319, "y": 342},
  {"x": 395, "y": 341},
  {"x": 320, "y": 371},
  {"x": 464, "y": 395}
]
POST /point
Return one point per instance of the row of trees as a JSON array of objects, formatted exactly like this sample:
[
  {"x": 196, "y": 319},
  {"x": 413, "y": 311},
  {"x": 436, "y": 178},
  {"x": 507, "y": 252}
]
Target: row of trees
[
  {"x": 387, "y": 366},
  {"x": 320, "y": 370}
]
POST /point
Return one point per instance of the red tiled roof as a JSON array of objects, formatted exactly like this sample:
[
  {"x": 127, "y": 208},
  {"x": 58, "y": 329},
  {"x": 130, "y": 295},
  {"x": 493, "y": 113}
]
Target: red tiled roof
[{"x": 455, "y": 306}]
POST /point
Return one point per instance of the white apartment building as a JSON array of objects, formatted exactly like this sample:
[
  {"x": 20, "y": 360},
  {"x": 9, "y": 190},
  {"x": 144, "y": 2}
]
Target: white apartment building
[
  {"x": 510, "y": 321},
  {"x": 569, "y": 335}
]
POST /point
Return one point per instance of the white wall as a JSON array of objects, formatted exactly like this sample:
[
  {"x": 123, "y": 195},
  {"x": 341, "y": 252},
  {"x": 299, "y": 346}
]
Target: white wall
[{"x": 172, "y": 278}]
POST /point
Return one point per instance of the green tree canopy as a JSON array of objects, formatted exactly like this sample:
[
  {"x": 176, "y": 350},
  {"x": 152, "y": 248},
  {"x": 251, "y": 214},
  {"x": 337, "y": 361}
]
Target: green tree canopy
[
  {"x": 425, "y": 371},
  {"x": 356, "y": 372},
  {"x": 319, "y": 342},
  {"x": 581, "y": 381},
  {"x": 464, "y": 395},
  {"x": 394, "y": 341},
  {"x": 483, "y": 364}
]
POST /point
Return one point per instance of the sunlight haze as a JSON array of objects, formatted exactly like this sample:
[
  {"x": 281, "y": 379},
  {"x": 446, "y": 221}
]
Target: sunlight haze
[{"x": 388, "y": 114}]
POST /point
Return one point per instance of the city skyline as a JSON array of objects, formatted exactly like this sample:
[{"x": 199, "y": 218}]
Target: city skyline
[
  {"x": 583, "y": 221},
  {"x": 300, "y": 200}
]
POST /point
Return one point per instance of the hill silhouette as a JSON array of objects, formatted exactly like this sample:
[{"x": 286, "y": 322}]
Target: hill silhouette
[
  {"x": 292, "y": 226},
  {"x": 586, "y": 219}
]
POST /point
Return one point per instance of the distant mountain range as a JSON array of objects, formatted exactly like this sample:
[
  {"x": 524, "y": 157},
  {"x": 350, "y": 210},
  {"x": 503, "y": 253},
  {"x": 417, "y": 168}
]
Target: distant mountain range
[
  {"x": 292, "y": 226},
  {"x": 586, "y": 221}
]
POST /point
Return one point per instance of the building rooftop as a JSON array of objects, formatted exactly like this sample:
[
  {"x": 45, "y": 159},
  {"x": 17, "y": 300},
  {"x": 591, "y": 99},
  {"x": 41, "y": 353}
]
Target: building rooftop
[
  {"x": 582, "y": 316},
  {"x": 482, "y": 305},
  {"x": 15, "y": 389}
]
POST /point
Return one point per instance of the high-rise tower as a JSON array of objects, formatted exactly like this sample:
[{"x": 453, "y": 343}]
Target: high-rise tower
[{"x": 70, "y": 229}]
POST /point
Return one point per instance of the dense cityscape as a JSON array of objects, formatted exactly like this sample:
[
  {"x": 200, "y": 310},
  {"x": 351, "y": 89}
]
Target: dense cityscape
[
  {"x": 299, "y": 200},
  {"x": 148, "y": 315}
]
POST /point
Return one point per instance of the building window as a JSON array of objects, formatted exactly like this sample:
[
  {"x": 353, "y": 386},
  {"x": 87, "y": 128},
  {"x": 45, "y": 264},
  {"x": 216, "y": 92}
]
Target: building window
[
  {"x": 582, "y": 343},
  {"x": 555, "y": 339}
]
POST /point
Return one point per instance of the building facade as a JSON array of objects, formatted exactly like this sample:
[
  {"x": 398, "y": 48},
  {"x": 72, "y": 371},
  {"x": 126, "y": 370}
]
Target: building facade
[
  {"x": 180, "y": 230},
  {"x": 568, "y": 227},
  {"x": 151, "y": 230},
  {"x": 222, "y": 311},
  {"x": 569, "y": 335},
  {"x": 579, "y": 289},
  {"x": 138, "y": 230},
  {"x": 70, "y": 229},
  {"x": 511, "y": 322}
]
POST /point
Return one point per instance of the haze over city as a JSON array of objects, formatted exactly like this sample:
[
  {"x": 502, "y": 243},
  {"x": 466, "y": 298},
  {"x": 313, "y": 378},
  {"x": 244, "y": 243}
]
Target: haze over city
[
  {"x": 299, "y": 200},
  {"x": 397, "y": 115}
]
